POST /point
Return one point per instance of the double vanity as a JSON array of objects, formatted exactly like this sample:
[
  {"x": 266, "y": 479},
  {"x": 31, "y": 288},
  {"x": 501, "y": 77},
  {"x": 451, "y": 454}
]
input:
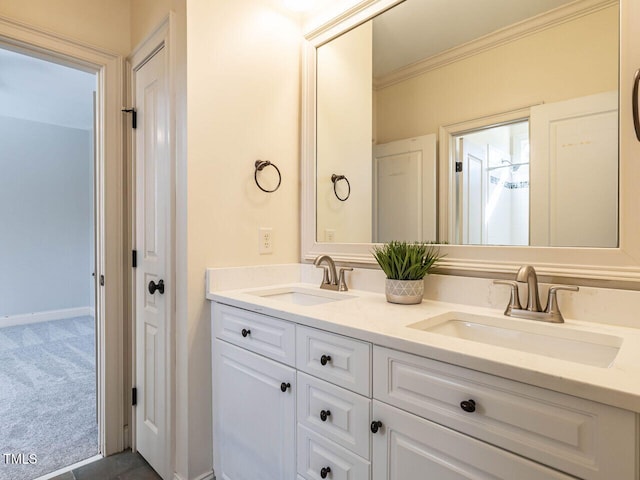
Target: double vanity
[{"x": 311, "y": 384}]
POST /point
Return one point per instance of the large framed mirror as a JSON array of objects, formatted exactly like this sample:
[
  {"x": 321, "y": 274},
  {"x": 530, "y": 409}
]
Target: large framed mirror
[{"x": 502, "y": 129}]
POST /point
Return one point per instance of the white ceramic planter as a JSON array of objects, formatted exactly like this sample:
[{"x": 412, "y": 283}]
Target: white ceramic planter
[{"x": 406, "y": 292}]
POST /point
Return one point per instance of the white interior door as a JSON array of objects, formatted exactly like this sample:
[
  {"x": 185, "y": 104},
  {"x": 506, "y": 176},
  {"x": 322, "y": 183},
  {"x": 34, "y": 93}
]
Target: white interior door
[
  {"x": 404, "y": 190},
  {"x": 574, "y": 172},
  {"x": 472, "y": 191},
  {"x": 152, "y": 240}
]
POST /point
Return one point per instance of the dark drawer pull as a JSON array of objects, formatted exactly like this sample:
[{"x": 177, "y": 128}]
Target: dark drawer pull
[
  {"x": 325, "y": 471},
  {"x": 468, "y": 406},
  {"x": 375, "y": 426},
  {"x": 284, "y": 386},
  {"x": 245, "y": 332},
  {"x": 324, "y": 359},
  {"x": 324, "y": 414}
]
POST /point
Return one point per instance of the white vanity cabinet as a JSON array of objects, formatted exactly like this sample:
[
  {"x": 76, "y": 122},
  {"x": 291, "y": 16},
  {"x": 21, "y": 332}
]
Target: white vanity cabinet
[
  {"x": 253, "y": 399},
  {"x": 294, "y": 402},
  {"x": 585, "y": 439}
]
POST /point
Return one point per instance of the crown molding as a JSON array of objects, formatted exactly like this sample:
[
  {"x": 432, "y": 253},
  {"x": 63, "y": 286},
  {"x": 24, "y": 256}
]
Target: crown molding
[{"x": 546, "y": 20}]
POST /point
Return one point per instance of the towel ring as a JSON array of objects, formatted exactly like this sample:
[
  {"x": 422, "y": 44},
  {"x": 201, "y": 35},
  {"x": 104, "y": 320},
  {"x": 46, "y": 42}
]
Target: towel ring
[
  {"x": 335, "y": 179},
  {"x": 260, "y": 165}
]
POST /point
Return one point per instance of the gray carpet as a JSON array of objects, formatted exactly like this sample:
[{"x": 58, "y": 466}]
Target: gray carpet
[{"x": 47, "y": 395}]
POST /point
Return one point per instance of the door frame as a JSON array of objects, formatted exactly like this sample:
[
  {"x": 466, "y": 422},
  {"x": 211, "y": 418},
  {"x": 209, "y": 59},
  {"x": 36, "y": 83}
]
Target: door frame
[
  {"x": 109, "y": 233},
  {"x": 160, "y": 38},
  {"x": 447, "y": 151}
]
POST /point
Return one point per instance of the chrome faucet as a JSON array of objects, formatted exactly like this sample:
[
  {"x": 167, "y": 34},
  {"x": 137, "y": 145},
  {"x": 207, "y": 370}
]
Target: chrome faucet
[
  {"x": 532, "y": 310},
  {"x": 527, "y": 274},
  {"x": 330, "y": 279}
]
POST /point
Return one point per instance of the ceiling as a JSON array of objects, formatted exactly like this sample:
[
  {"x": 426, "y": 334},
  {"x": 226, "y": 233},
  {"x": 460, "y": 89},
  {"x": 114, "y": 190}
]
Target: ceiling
[
  {"x": 418, "y": 29},
  {"x": 42, "y": 91}
]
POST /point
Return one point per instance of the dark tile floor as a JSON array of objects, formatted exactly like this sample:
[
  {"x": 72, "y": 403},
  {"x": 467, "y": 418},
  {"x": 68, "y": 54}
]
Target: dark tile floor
[{"x": 122, "y": 466}]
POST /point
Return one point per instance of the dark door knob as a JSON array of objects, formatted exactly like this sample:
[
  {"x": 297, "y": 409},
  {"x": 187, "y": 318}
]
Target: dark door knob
[
  {"x": 324, "y": 414},
  {"x": 468, "y": 406},
  {"x": 375, "y": 426},
  {"x": 324, "y": 359},
  {"x": 284, "y": 386},
  {"x": 325, "y": 471},
  {"x": 245, "y": 332},
  {"x": 156, "y": 286}
]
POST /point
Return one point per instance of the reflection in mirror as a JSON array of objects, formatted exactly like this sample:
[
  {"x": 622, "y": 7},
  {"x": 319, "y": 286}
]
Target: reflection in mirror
[
  {"x": 491, "y": 178},
  {"x": 422, "y": 71}
]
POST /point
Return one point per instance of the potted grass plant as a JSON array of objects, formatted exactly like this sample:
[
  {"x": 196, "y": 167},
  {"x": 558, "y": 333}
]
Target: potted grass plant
[{"x": 406, "y": 265}]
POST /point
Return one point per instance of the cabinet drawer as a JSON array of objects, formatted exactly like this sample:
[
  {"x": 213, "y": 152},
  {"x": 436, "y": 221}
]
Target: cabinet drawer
[
  {"x": 408, "y": 447},
  {"x": 337, "y": 359},
  {"x": 265, "y": 335},
  {"x": 316, "y": 453},
  {"x": 346, "y": 414},
  {"x": 580, "y": 437}
]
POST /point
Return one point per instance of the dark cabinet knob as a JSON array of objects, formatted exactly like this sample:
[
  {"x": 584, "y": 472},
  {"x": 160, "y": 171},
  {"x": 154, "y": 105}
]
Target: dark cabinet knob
[
  {"x": 324, "y": 359},
  {"x": 245, "y": 332},
  {"x": 468, "y": 406},
  {"x": 325, "y": 471},
  {"x": 375, "y": 426},
  {"x": 324, "y": 414},
  {"x": 156, "y": 286},
  {"x": 284, "y": 386}
]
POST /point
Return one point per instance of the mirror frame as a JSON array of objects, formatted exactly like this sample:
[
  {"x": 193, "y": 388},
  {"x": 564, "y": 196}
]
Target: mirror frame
[{"x": 609, "y": 267}]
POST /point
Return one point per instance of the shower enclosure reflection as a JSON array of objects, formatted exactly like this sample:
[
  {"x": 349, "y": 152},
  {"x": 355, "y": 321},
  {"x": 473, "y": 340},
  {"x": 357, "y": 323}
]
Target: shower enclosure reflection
[{"x": 492, "y": 185}]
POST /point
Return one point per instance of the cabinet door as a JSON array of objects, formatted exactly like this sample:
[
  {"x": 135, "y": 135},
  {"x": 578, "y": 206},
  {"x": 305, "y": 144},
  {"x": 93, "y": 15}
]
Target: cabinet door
[
  {"x": 254, "y": 416},
  {"x": 408, "y": 447}
]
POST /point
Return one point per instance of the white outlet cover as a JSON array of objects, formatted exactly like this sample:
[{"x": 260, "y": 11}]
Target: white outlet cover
[{"x": 265, "y": 240}]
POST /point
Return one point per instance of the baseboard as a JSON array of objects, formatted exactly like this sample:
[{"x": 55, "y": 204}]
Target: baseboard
[
  {"x": 204, "y": 476},
  {"x": 24, "y": 319}
]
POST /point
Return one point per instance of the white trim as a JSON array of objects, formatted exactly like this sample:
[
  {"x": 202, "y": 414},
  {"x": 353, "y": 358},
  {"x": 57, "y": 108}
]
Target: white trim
[
  {"x": 46, "y": 316},
  {"x": 599, "y": 265},
  {"x": 530, "y": 26},
  {"x": 63, "y": 470},
  {"x": 361, "y": 12},
  {"x": 109, "y": 209},
  {"x": 205, "y": 476}
]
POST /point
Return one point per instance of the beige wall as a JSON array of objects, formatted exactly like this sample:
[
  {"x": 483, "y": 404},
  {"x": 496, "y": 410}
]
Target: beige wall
[
  {"x": 243, "y": 104},
  {"x": 114, "y": 25},
  {"x": 100, "y": 23},
  {"x": 344, "y": 135},
  {"x": 146, "y": 15},
  {"x": 573, "y": 59}
]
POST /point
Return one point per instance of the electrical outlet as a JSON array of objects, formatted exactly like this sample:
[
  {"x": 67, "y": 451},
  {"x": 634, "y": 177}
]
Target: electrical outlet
[
  {"x": 329, "y": 235},
  {"x": 265, "y": 240}
]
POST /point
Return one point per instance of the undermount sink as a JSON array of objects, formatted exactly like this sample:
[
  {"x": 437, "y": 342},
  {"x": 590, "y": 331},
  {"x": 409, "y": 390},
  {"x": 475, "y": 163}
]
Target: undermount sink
[
  {"x": 301, "y": 295},
  {"x": 555, "y": 341}
]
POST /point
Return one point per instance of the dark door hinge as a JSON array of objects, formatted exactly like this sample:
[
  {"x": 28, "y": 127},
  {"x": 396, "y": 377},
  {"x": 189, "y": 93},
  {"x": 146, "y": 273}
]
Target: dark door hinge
[
  {"x": 102, "y": 280},
  {"x": 134, "y": 396},
  {"x": 458, "y": 167},
  {"x": 134, "y": 258},
  {"x": 134, "y": 116}
]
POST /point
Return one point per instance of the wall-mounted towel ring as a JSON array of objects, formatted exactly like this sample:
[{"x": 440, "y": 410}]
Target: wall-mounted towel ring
[
  {"x": 260, "y": 165},
  {"x": 335, "y": 179}
]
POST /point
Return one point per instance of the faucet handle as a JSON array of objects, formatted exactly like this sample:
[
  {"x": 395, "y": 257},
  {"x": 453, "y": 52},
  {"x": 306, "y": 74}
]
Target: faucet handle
[
  {"x": 325, "y": 274},
  {"x": 514, "y": 301},
  {"x": 552, "y": 302},
  {"x": 342, "y": 284}
]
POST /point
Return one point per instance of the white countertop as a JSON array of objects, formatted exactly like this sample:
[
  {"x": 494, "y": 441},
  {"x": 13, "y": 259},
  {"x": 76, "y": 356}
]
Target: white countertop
[{"x": 368, "y": 316}]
